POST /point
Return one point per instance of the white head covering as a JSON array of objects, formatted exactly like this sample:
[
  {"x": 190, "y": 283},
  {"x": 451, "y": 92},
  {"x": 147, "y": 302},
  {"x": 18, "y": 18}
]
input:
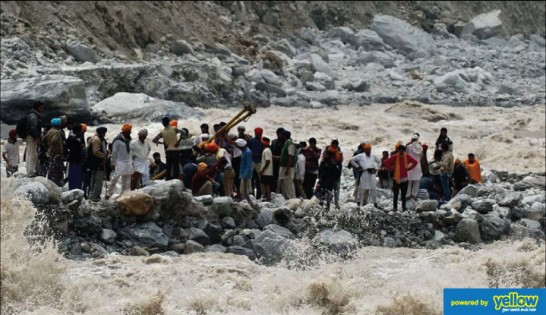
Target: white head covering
[
  {"x": 415, "y": 136},
  {"x": 205, "y": 136},
  {"x": 240, "y": 143},
  {"x": 143, "y": 132}
]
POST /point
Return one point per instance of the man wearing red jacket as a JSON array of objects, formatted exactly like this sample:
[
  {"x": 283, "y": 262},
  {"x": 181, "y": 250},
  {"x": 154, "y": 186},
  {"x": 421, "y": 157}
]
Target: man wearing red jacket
[{"x": 400, "y": 163}]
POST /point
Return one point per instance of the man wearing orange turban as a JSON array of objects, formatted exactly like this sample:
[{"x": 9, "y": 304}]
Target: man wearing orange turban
[
  {"x": 367, "y": 186},
  {"x": 122, "y": 162}
]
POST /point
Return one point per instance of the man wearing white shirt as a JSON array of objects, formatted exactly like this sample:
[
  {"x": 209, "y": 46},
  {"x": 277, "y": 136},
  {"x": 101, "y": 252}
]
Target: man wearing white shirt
[{"x": 140, "y": 150}]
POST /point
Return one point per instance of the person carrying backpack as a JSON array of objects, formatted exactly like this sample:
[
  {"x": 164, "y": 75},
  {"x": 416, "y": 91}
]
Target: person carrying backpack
[{"x": 29, "y": 128}]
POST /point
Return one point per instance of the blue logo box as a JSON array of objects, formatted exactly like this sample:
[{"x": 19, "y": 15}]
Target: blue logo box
[{"x": 494, "y": 301}]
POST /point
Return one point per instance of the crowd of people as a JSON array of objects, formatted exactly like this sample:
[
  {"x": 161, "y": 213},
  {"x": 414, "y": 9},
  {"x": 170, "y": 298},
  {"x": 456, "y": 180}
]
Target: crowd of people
[{"x": 233, "y": 164}]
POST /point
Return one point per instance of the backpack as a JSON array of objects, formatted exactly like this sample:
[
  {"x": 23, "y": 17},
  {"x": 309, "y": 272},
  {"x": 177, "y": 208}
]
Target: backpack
[{"x": 22, "y": 127}]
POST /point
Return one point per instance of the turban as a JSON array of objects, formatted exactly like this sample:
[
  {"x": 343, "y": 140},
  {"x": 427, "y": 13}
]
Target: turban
[
  {"x": 13, "y": 133},
  {"x": 84, "y": 127},
  {"x": 240, "y": 143},
  {"x": 211, "y": 147},
  {"x": 165, "y": 121},
  {"x": 127, "y": 127},
  {"x": 259, "y": 131},
  {"x": 63, "y": 119},
  {"x": 425, "y": 146},
  {"x": 415, "y": 136},
  {"x": 55, "y": 122},
  {"x": 173, "y": 123},
  {"x": 201, "y": 166},
  {"x": 232, "y": 136},
  {"x": 367, "y": 146},
  {"x": 205, "y": 136},
  {"x": 265, "y": 140},
  {"x": 143, "y": 132},
  {"x": 401, "y": 147},
  {"x": 101, "y": 130},
  {"x": 397, "y": 145}
]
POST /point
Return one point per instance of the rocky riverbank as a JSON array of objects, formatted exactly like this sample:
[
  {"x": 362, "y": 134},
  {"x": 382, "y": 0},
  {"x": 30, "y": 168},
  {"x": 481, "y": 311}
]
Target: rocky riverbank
[
  {"x": 472, "y": 64},
  {"x": 162, "y": 218}
]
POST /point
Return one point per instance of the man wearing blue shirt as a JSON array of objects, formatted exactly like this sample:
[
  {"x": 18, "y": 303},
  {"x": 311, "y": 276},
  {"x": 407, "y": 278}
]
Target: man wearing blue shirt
[
  {"x": 245, "y": 173},
  {"x": 256, "y": 147}
]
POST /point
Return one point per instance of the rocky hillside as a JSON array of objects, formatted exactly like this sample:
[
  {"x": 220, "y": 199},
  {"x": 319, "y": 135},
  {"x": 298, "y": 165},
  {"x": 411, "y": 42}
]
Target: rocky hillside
[{"x": 75, "y": 56}]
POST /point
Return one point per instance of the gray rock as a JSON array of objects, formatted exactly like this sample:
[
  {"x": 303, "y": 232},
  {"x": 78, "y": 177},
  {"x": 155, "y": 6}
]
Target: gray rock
[
  {"x": 440, "y": 29},
  {"x": 264, "y": 218},
  {"x": 199, "y": 236},
  {"x": 228, "y": 223},
  {"x": 506, "y": 89},
  {"x": 427, "y": 205},
  {"x": 269, "y": 88},
  {"x": 147, "y": 234},
  {"x": 283, "y": 101},
  {"x": 493, "y": 227},
  {"x": 285, "y": 47},
  {"x": 178, "y": 247},
  {"x": 271, "y": 247},
  {"x": 338, "y": 241},
  {"x": 389, "y": 242},
  {"x": 239, "y": 250},
  {"x": 108, "y": 236},
  {"x": 536, "y": 212},
  {"x": 535, "y": 181},
  {"x": 81, "y": 52},
  {"x": 470, "y": 190},
  {"x": 64, "y": 95},
  {"x": 324, "y": 79},
  {"x": 318, "y": 64},
  {"x": 213, "y": 231},
  {"x": 369, "y": 40},
  {"x": 468, "y": 230},
  {"x": 222, "y": 206},
  {"x": 271, "y": 77},
  {"x": 282, "y": 216},
  {"x": 509, "y": 200},
  {"x": 453, "y": 219},
  {"x": 72, "y": 195},
  {"x": 345, "y": 34},
  {"x": 170, "y": 199},
  {"x": 314, "y": 86},
  {"x": 357, "y": 85},
  {"x": 463, "y": 81},
  {"x": 193, "y": 247},
  {"x": 91, "y": 225},
  {"x": 536, "y": 43},
  {"x": 484, "y": 26},
  {"x": 460, "y": 202},
  {"x": 216, "y": 248},
  {"x": 181, "y": 47},
  {"x": 205, "y": 199},
  {"x": 277, "y": 229},
  {"x": 401, "y": 35},
  {"x": 306, "y": 34},
  {"x": 439, "y": 236},
  {"x": 521, "y": 186},
  {"x": 483, "y": 206},
  {"x": 378, "y": 57},
  {"x": 532, "y": 224}
]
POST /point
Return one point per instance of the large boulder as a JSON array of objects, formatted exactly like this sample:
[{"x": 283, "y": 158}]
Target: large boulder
[
  {"x": 345, "y": 34},
  {"x": 483, "y": 206},
  {"x": 277, "y": 229},
  {"x": 62, "y": 95},
  {"x": 172, "y": 202},
  {"x": 509, "y": 200},
  {"x": 318, "y": 64},
  {"x": 369, "y": 40},
  {"x": 124, "y": 106},
  {"x": 484, "y": 26},
  {"x": 284, "y": 46},
  {"x": 356, "y": 85},
  {"x": 463, "y": 81},
  {"x": 270, "y": 88},
  {"x": 271, "y": 247},
  {"x": 470, "y": 190},
  {"x": 39, "y": 190},
  {"x": 427, "y": 205},
  {"x": 81, "y": 52},
  {"x": 384, "y": 59},
  {"x": 401, "y": 35},
  {"x": 467, "y": 230},
  {"x": 181, "y": 47},
  {"x": 536, "y": 212},
  {"x": 134, "y": 203},
  {"x": 340, "y": 242},
  {"x": 493, "y": 228},
  {"x": 146, "y": 235}
]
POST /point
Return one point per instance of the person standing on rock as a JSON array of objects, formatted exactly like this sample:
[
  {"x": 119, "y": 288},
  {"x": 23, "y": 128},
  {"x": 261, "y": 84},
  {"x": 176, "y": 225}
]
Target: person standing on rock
[
  {"x": 312, "y": 156},
  {"x": 122, "y": 162},
  {"x": 10, "y": 153},
  {"x": 140, "y": 150},
  {"x": 447, "y": 171},
  {"x": 186, "y": 147},
  {"x": 384, "y": 174},
  {"x": 300, "y": 170},
  {"x": 34, "y": 133},
  {"x": 287, "y": 166},
  {"x": 256, "y": 147},
  {"x": 329, "y": 173},
  {"x": 172, "y": 150},
  {"x": 460, "y": 177},
  {"x": 443, "y": 138},
  {"x": 245, "y": 173},
  {"x": 369, "y": 164},
  {"x": 224, "y": 166},
  {"x": 415, "y": 150},
  {"x": 97, "y": 152},
  {"x": 42, "y": 165},
  {"x": 424, "y": 161},
  {"x": 474, "y": 170},
  {"x": 435, "y": 170},
  {"x": 266, "y": 173},
  {"x": 276, "y": 149},
  {"x": 336, "y": 155},
  {"x": 55, "y": 153},
  {"x": 75, "y": 158},
  {"x": 400, "y": 163}
]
